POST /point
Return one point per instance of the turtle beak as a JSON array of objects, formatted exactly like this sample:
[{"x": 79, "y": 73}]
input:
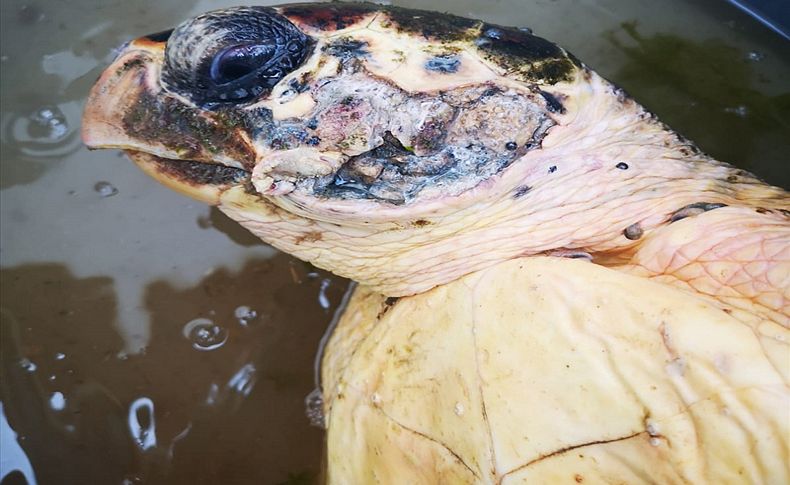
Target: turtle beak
[
  {"x": 114, "y": 93},
  {"x": 202, "y": 181}
]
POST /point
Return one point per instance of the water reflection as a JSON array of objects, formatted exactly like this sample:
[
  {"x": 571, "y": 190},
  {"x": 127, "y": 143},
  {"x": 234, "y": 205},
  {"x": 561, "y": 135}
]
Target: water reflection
[
  {"x": 686, "y": 80},
  {"x": 149, "y": 415}
]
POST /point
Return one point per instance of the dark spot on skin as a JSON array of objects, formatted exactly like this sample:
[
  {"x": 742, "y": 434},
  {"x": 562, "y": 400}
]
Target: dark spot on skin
[
  {"x": 732, "y": 178},
  {"x": 311, "y": 236},
  {"x": 578, "y": 478},
  {"x": 552, "y": 103},
  {"x": 420, "y": 223},
  {"x": 525, "y": 56},
  {"x": 197, "y": 173},
  {"x": 347, "y": 48},
  {"x": 521, "y": 191},
  {"x": 313, "y": 141},
  {"x": 300, "y": 85},
  {"x": 311, "y": 124},
  {"x": 159, "y": 36},
  {"x": 431, "y": 25},
  {"x": 633, "y": 232},
  {"x": 328, "y": 16},
  {"x": 389, "y": 302},
  {"x": 762, "y": 210},
  {"x": 727, "y": 311},
  {"x": 552, "y": 169},
  {"x": 622, "y": 166},
  {"x": 693, "y": 210},
  {"x": 444, "y": 64},
  {"x": 511, "y": 145}
]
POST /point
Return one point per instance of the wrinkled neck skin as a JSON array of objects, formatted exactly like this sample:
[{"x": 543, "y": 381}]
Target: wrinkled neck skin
[{"x": 608, "y": 176}]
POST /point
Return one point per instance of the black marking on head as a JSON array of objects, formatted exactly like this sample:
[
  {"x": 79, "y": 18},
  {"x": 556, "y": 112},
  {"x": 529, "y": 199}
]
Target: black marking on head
[
  {"x": 511, "y": 145},
  {"x": 159, "y": 36},
  {"x": 329, "y": 16},
  {"x": 167, "y": 121},
  {"x": 347, "y": 48},
  {"x": 421, "y": 223},
  {"x": 552, "y": 103},
  {"x": 447, "y": 63},
  {"x": 197, "y": 173},
  {"x": 552, "y": 169},
  {"x": 528, "y": 57},
  {"x": 521, "y": 191},
  {"x": 622, "y": 166},
  {"x": 693, "y": 210},
  {"x": 633, "y": 232},
  {"x": 431, "y": 25}
]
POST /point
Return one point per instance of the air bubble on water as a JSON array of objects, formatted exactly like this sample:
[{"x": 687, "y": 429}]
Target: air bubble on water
[
  {"x": 48, "y": 123},
  {"x": 322, "y": 298},
  {"x": 52, "y": 377},
  {"x": 314, "y": 408},
  {"x": 245, "y": 314},
  {"x": 141, "y": 423},
  {"x": 213, "y": 394},
  {"x": 122, "y": 355},
  {"x": 105, "y": 189},
  {"x": 205, "y": 334},
  {"x": 243, "y": 380},
  {"x": 60, "y": 356},
  {"x": 57, "y": 401},
  {"x": 459, "y": 409},
  {"x": 755, "y": 56},
  {"x": 27, "y": 364},
  {"x": 740, "y": 111}
]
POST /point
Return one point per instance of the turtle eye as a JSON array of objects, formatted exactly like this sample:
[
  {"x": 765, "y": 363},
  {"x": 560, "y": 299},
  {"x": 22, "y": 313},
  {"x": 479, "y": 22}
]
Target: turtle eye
[{"x": 232, "y": 56}]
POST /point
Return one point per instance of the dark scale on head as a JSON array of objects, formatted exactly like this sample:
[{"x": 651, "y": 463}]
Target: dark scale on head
[
  {"x": 347, "y": 48},
  {"x": 252, "y": 49},
  {"x": 431, "y": 25},
  {"x": 622, "y": 166},
  {"x": 552, "y": 103},
  {"x": 444, "y": 64},
  {"x": 552, "y": 169},
  {"x": 329, "y": 16},
  {"x": 528, "y": 57}
]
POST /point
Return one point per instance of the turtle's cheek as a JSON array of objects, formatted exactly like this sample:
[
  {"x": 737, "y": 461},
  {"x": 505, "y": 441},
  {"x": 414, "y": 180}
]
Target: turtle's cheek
[{"x": 234, "y": 56}]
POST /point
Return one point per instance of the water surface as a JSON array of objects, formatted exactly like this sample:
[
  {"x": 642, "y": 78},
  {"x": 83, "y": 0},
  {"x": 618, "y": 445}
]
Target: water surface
[{"x": 148, "y": 339}]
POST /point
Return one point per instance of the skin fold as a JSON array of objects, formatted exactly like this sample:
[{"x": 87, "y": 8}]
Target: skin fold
[{"x": 453, "y": 169}]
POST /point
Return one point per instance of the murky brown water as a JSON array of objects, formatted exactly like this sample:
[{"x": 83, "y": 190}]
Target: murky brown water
[{"x": 148, "y": 339}]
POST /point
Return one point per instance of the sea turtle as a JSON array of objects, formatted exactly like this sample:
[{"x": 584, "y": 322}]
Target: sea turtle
[{"x": 553, "y": 285}]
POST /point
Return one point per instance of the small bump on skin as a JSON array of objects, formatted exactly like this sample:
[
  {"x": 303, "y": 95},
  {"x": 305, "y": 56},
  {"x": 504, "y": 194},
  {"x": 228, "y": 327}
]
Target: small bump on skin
[
  {"x": 521, "y": 191},
  {"x": 693, "y": 210},
  {"x": 552, "y": 169},
  {"x": 633, "y": 232},
  {"x": 446, "y": 64},
  {"x": 622, "y": 166}
]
